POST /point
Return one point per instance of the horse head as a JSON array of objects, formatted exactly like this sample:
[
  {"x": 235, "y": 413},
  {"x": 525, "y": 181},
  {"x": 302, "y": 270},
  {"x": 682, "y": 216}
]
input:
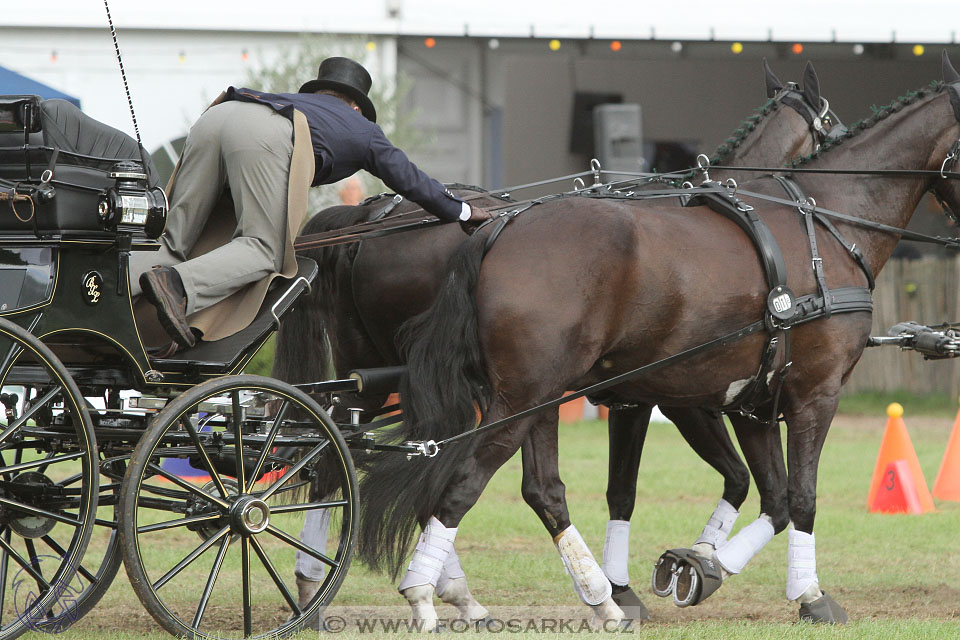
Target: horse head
[
  {"x": 774, "y": 135},
  {"x": 946, "y": 188}
]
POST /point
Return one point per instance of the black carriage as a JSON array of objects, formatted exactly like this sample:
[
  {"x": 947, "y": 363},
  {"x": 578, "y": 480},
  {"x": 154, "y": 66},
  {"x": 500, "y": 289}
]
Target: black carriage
[{"x": 97, "y": 429}]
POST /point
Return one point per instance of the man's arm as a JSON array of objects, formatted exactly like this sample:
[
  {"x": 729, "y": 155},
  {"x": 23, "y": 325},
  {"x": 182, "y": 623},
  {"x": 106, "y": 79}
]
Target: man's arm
[{"x": 391, "y": 165}]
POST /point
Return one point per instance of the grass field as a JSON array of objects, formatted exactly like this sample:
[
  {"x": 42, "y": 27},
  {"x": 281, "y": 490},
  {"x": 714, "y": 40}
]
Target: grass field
[{"x": 895, "y": 575}]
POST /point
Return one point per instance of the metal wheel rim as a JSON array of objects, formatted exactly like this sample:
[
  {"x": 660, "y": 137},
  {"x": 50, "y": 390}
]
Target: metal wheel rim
[{"x": 149, "y": 583}]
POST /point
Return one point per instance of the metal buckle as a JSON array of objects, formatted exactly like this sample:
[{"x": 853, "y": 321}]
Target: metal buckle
[
  {"x": 595, "y": 167},
  {"x": 704, "y": 166},
  {"x": 950, "y": 159}
]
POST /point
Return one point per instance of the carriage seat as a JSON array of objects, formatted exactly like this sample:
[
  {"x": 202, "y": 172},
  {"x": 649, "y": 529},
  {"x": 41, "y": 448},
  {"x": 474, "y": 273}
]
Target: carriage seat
[
  {"x": 88, "y": 149},
  {"x": 223, "y": 356}
]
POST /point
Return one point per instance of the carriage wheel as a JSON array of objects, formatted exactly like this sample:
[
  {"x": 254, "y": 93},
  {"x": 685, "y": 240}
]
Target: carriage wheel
[
  {"x": 214, "y": 557},
  {"x": 103, "y": 556},
  {"x": 48, "y": 486}
]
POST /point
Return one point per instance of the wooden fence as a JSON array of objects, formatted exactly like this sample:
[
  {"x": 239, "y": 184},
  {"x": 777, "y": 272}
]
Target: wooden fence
[{"x": 925, "y": 291}]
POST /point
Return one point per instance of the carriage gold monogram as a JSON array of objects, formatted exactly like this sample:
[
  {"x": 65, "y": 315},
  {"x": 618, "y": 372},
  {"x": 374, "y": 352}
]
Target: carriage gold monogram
[{"x": 93, "y": 287}]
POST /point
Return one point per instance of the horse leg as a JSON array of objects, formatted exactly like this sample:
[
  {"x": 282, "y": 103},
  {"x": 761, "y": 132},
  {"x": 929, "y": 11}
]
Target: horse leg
[
  {"x": 763, "y": 449},
  {"x": 806, "y": 432},
  {"x": 423, "y": 574},
  {"x": 627, "y": 429},
  {"x": 707, "y": 435},
  {"x": 544, "y": 492},
  {"x": 696, "y": 577},
  {"x": 452, "y": 589}
]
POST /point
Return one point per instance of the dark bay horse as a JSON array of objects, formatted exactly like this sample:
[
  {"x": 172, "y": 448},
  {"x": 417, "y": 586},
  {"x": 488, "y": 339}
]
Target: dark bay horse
[
  {"x": 401, "y": 274},
  {"x": 578, "y": 290}
]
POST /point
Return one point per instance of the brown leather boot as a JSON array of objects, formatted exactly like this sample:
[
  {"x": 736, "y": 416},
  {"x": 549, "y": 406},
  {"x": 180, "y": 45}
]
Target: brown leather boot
[{"x": 164, "y": 290}]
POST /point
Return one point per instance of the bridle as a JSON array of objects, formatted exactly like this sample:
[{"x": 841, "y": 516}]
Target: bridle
[{"x": 823, "y": 122}]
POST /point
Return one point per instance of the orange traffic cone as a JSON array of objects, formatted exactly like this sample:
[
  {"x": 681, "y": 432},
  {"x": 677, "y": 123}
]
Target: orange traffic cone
[
  {"x": 896, "y": 445},
  {"x": 897, "y": 492},
  {"x": 947, "y": 485},
  {"x": 571, "y": 411}
]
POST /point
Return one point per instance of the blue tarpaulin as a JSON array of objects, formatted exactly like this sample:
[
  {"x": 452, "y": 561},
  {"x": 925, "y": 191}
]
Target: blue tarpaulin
[{"x": 13, "y": 83}]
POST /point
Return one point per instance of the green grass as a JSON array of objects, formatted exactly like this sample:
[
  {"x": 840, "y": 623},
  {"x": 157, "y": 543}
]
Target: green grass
[
  {"x": 895, "y": 575},
  {"x": 931, "y": 404}
]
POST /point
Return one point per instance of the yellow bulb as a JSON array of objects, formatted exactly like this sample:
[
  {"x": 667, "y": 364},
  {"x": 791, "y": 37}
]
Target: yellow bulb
[
  {"x": 918, "y": 49},
  {"x": 737, "y": 47},
  {"x": 371, "y": 45},
  {"x": 554, "y": 45},
  {"x": 895, "y": 410}
]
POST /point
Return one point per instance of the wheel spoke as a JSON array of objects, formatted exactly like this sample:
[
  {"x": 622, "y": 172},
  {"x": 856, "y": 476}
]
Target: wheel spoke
[
  {"x": 286, "y": 537},
  {"x": 277, "y": 580},
  {"x": 82, "y": 570},
  {"x": 46, "y": 462},
  {"x": 4, "y": 564},
  {"x": 189, "y": 487},
  {"x": 245, "y": 568},
  {"x": 195, "y": 437},
  {"x": 268, "y": 444},
  {"x": 292, "y": 471},
  {"x": 211, "y": 581},
  {"x": 289, "y": 508},
  {"x": 236, "y": 419},
  {"x": 35, "y": 561},
  {"x": 37, "y": 511},
  {"x": 183, "y": 564},
  {"x": 26, "y": 566},
  {"x": 179, "y": 522},
  {"x": 29, "y": 413}
]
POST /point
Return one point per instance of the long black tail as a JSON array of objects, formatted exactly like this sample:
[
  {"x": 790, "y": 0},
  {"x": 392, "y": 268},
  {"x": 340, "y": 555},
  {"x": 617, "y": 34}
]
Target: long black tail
[
  {"x": 446, "y": 384},
  {"x": 303, "y": 351}
]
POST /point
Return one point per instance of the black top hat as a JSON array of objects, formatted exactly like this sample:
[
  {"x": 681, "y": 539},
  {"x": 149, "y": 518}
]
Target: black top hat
[{"x": 349, "y": 78}]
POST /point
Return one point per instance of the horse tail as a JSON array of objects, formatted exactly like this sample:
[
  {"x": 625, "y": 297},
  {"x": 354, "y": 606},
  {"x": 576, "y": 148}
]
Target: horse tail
[
  {"x": 445, "y": 385},
  {"x": 302, "y": 353}
]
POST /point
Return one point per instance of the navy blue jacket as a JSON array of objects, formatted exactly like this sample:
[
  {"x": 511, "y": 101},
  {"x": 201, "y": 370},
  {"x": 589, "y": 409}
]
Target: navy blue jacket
[{"x": 344, "y": 142}]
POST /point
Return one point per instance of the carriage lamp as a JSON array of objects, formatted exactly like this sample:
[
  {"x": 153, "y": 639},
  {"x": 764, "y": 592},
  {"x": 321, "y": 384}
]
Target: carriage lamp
[{"x": 130, "y": 204}]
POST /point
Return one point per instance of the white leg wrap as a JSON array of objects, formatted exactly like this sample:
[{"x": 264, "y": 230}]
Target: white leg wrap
[
  {"x": 616, "y": 552},
  {"x": 734, "y": 554},
  {"x": 434, "y": 545},
  {"x": 719, "y": 525},
  {"x": 588, "y": 578},
  {"x": 801, "y": 564},
  {"x": 451, "y": 571},
  {"x": 316, "y": 523}
]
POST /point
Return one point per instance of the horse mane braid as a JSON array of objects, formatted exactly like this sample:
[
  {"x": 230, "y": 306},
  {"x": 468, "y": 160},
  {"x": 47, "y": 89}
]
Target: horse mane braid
[
  {"x": 727, "y": 147},
  {"x": 740, "y": 133},
  {"x": 877, "y": 114}
]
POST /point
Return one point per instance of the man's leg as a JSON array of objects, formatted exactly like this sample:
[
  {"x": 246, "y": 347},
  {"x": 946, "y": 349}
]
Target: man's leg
[
  {"x": 200, "y": 182},
  {"x": 256, "y": 147}
]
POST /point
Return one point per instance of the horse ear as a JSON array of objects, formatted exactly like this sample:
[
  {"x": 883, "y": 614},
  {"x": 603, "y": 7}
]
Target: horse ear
[
  {"x": 773, "y": 85},
  {"x": 950, "y": 74},
  {"x": 811, "y": 86}
]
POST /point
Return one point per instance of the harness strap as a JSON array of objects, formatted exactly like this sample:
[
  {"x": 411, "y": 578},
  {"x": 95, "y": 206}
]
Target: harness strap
[
  {"x": 724, "y": 202},
  {"x": 804, "y": 206},
  {"x": 793, "y": 191}
]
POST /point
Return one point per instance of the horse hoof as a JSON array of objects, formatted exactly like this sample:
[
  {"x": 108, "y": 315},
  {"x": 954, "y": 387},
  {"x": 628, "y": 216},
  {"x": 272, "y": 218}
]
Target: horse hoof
[
  {"x": 697, "y": 579},
  {"x": 664, "y": 574},
  {"x": 633, "y": 607},
  {"x": 823, "y": 610},
  {"x": 483, "y": 624}
]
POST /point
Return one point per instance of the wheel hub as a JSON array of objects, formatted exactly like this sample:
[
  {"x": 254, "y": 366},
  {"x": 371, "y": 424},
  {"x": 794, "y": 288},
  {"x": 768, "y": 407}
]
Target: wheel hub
[
  {"x": 200, "y": 506},
  {"x": 30, "y": 488},
  {"x": 249, "y": 515}
]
